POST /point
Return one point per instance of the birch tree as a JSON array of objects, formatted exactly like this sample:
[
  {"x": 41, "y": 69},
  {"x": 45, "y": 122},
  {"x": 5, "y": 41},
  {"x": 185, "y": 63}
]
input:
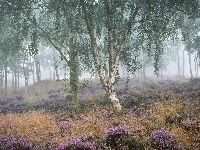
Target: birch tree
[
  {"x": 123, "y": 20},
  {"x": 111, "y": 27}
]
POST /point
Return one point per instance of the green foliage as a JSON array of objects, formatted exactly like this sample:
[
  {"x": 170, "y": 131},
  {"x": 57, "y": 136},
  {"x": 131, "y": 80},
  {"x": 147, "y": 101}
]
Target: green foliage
[{"x": 134, "y": 144}]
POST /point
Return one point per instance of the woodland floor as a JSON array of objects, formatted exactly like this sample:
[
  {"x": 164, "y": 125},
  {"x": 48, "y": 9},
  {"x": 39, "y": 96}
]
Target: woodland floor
[{"x": 44, "y": 115}]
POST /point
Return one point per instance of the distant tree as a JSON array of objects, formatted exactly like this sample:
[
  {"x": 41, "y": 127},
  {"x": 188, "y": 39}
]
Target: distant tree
[{"x": 190, "y": 29}]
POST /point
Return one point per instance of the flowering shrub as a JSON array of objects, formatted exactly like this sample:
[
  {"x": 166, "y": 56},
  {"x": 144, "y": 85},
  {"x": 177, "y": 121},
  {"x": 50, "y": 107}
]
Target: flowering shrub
[
  {"x": 116, "y": 137},
  {"x": 13, "y": 143},
  {"x": 77, "y": 143},
  {"x": 138, "y": 130},
  {"x": 163, "y": 140},
  {"x": 19, "y": 97},
  {"x": 63, "y": 125},
  {"x": 190, "y": 124},
  {"x": 53, "y": 93},
  {"x": 15, "y": 104},
  {"x": 54, "y": 104}
]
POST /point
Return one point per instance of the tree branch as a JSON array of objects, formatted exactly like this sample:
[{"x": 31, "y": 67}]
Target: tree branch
[
  {"x": 90, "y": 29},
  {"x": 49, "y": 38},
  {"x": 126, "y": 31},
  {"x": 109, "y": 14}
]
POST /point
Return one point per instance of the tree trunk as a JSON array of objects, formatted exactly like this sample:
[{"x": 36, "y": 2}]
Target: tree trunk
[
  {"x": 37, "y": 67},
  {"x": 183, "y": 63},
  {"x": 33, "y": 68},
  {"x": 15, "y": 80},
  {"x": 12, "y": 80},
  {"x": 54, "y": 66},
  {"x": 143, "y": 66},
  {"x": 26, "y": 75},
  {"x": 18, "y": 80},
  {"x": 73, "y": 74},
  {"x": 50, "y": 72},
  {"x": 1, "y": 82},
  {"x": 197, "y": 69},
  {"x": 196, "y": 64},
  {"x": 6, "y": 80},
  {"x": 56, "y": 69},
  {"x": 189, "y": 53},
  {"x": 108, "y": 84},
  {"x": 179, "y": 73},
  {"x": 161, "y": 72}
]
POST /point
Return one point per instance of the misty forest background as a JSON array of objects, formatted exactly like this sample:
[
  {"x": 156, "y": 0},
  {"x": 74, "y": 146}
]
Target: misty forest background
[
  {"x": 122, "y": 74},
  {"x": 39, "y": 39}
]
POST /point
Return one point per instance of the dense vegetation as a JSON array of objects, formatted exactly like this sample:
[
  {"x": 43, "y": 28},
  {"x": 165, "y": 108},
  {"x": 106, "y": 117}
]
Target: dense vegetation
[{"x": 157, "y": 114}]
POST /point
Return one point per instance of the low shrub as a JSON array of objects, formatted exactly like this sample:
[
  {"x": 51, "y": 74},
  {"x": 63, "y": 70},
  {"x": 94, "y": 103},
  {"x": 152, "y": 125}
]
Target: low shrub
[
  {"x": 115, "y": 137},
  {"x": 134, "y": 144},
  {"x": 13, "y": 143},
  {"x": 77, "y": 143},
  {"x": 151, "y": 85},
  {"x": 163, "y": 140}
]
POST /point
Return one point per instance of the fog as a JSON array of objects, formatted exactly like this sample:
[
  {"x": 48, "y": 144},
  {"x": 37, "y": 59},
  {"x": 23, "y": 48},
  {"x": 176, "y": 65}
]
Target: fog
[{"x": 171, "y": 70}]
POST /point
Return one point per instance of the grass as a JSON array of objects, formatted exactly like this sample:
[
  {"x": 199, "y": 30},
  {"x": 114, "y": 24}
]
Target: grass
[{"x": 42, "y": 127}]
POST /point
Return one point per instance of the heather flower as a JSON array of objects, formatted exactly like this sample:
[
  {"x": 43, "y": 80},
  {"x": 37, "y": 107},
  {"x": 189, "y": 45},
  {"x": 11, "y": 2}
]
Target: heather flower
[
  {"x": 190, "y": 113},
  {"x": 163, "y": 140},
  {"x": 19, "y": 97},
  {"x": 116, "y": 137},
  {"x": 53, "y": 93},
  {"x": 13, "y": 143},
  {"x": 189, "y": 124},
  {"x": 63, "y": 125},
  {"x": 138, "y": 130},
  {"x": 77, "y": 143}
]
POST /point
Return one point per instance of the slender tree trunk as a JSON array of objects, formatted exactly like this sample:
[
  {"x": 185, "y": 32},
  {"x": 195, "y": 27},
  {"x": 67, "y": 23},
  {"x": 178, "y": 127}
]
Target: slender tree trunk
[
  {"x": 50, "y": 72},
  {"x": 15, "y": 79},
  {"x": 197, "y": 69},
  {"x": 65, "y": 71},
  {"x": 189, "y": 53},
  {"x": 1, "y": 82},
  {"x": 12, "y": 79},
  {"x": 196, "y": 64},
  {"x": 57, "y": 74},
  {"x": 33, "y": 68},
  {"x": 197, "y": 61},
  {"x": 37, "y": 67},
  {"x": 179, "y": 73},
  {"x": 73, "y": 74},
  {"x": 161, "y": 72},
  {"x": 183, "y": 63},
  {"x": 18, "y": 80},
  {"x": 143, "y": 66},
  {"x": 54, "y": 66},
  {"x": 26, "y": 75},
  {"x": 6, "y": 80}
]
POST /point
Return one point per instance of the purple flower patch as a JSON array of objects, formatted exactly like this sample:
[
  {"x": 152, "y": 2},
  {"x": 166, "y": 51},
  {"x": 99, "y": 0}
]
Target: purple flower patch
[
  {"x": 77, "y": 143},
  {"x": 13, "y": 143},
  {"x": 115, "y": 137},
  {"x": 163, "y": 140},
  {"x": 63, "y": 125}
]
